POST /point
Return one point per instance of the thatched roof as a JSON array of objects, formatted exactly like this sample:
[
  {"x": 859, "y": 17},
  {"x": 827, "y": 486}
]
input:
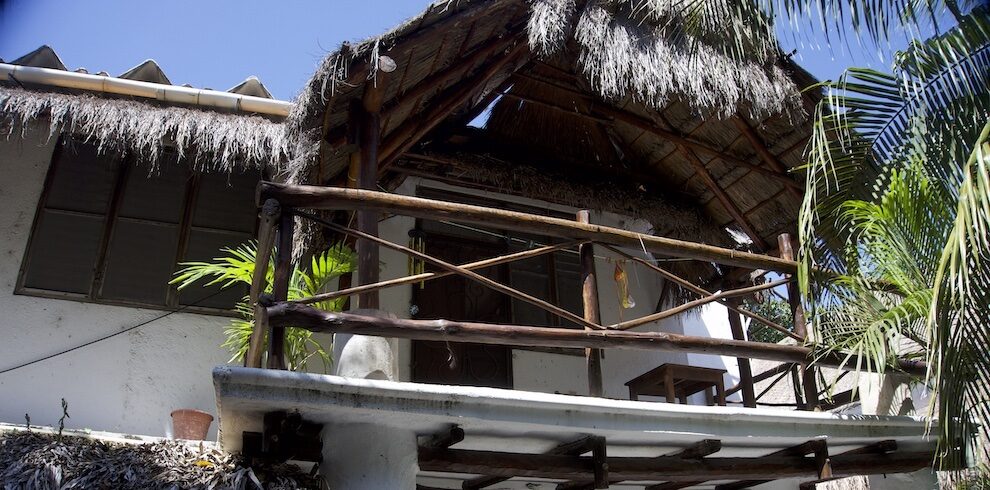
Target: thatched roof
[
  {"x": 42, "y": 461},
  {"x": 600, "y": 89},
  {"x": 209, "y": 139}
]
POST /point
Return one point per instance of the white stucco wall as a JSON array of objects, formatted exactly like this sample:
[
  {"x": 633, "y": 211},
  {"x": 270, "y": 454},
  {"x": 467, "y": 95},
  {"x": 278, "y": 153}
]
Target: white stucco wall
[{"x": 129, "y": 383}]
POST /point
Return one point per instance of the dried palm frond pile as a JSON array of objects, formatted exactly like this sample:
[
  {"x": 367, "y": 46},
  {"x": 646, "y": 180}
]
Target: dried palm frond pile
[
  {"x": 211, "y": 140},
  {"x": 31, "y": 460}
]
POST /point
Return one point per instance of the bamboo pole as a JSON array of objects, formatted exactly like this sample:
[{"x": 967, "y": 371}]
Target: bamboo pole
[
  {"x": 270, "y": 212},
  {"x": 280, "y": 288},
  {"x": 589, "y": 301},
  {"x": 730, "y": 293},
  {"x": 429, "y": 276},
  {"x": 315, "y": 197},
  {"x": 808, "y": 381},
  {"x": 502, "y": 288},
  {"x": 704, "y": 292},
  {"x": 453, "y": 331}
]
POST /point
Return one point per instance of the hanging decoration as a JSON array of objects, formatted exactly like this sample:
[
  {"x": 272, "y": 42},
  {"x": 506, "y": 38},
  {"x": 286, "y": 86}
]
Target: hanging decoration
[
  {"x": 417, "y": 242},
  {"x": 622, "y": 283}
]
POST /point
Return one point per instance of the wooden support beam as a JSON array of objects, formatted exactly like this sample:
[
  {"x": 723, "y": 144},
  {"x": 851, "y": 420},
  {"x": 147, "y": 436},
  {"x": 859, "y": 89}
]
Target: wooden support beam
[
  {"x": 267, "y": 223},
  {"x": 702, "y": 292},
  {"x": 799, "y": 450},
  {"x": 280, "y": 287},
  {"x": 808, "y": 380},
  {"x": 761, "y": 149},
  {"x": 589, "y": 300},
  {"x": 723, "y": 197},
  {"x": 576, "y": 447},
  {"x": 502, "y": 288},
  {"x": 729, "y": 293},
  {"x": 769, "y": 373},
  {"x": 662, "y": 468},
  {"x": 316, "y": 197},
  {"x": 745, "y": 370},
  {"x": 882, "y": 447},
  {"x": 446, "y": 438},
  {"x": 292, "y": 314},
  {"x": 429, "y": 276},
  {"x": 699, "y": 450},
  {"x": 413, "y": 130},
  {"x": 604, "y": 112}
]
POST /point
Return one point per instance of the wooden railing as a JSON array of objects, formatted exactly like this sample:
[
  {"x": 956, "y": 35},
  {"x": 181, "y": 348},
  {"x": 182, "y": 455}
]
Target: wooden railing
[{"x": 280, "y": 204}]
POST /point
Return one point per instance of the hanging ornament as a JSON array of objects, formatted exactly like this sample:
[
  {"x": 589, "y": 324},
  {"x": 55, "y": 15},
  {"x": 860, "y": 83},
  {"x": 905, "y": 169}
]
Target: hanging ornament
[
  {"x": 622, "y": 283},
  {"x": 417, "y": 242}
]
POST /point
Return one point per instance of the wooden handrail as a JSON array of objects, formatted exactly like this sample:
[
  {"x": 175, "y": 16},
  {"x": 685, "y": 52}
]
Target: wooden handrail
[{"x": 317, "y": 197}]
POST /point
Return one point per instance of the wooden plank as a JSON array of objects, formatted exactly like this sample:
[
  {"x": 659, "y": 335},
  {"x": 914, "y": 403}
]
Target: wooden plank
[
  {"x": 761, "y": 149},
  {"x": 698, "y": 450},
  {"x": 589, "y": 301},
  {"x": 576, "y": 447},
  {"x": 429, "y": 276},
  {"x": 729, "y": 293},
  {"x": 662, "y": 468},
  {"x": 280, "y": 288},
  {"x": 316, "y": 197},
  {"x": 270, "y": 213},
  {"x": 555, "y": 310},
  {"x": 454, "y": 331},
  {"x": 808, "y": 380}
]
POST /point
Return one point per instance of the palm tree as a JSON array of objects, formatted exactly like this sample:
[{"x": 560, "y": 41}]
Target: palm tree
[
  {"x": 236, "y": 266},
  {"x": 898, "y": 205}
]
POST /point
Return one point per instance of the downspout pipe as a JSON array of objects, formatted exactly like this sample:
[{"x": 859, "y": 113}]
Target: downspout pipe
[{"x": 166, "y": 93}]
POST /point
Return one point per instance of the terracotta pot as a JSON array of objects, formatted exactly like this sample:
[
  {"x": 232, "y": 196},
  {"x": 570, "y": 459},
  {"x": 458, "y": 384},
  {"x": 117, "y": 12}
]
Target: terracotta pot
[{"x": 191, "y": 424}]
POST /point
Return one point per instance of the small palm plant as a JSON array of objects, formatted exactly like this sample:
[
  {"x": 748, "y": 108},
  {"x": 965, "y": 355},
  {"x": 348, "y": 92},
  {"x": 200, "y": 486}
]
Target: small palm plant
[{"x": 236, "y": 266}]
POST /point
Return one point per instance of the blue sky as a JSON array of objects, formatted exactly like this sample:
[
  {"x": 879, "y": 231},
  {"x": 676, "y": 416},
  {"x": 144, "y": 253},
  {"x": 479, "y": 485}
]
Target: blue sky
[{"x": 219, "y": 43}]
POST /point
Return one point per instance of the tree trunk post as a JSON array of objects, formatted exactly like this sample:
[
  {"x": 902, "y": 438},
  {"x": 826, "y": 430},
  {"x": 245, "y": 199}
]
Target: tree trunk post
[
  {"x": 592, "y": 313},
  {"x": 280, "y": 287},
  {"x": 745, "y": 370},
  {"x": 808, "y": 380}
]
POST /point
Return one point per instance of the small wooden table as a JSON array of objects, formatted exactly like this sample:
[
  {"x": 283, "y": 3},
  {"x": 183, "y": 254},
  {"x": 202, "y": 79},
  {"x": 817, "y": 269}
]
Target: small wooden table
[{"x": 678, "y": 382}]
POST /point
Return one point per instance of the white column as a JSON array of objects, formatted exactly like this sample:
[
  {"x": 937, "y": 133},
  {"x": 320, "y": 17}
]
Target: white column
[{"x": 369, "y": 457}]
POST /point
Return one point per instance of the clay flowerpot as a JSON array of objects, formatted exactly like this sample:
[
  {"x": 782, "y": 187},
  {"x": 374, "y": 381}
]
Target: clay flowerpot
[{"x": 190, "y": 424}]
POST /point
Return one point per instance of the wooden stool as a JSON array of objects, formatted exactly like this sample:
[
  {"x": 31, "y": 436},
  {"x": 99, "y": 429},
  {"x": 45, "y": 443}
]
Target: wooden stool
[{"x": 678, "y": 382}]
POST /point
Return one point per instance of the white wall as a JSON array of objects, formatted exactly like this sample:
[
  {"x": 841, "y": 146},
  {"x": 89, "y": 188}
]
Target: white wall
[{"x": 129, "y": 383}]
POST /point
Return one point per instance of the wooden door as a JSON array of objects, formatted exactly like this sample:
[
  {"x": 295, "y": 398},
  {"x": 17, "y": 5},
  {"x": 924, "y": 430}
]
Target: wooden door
[{"x": 457, "y": 298}]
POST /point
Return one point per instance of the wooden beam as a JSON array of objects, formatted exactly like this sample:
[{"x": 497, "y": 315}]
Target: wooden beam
[
  {"x": 730, "y": 206},
  {"x": 761, "y": 149},
  {"x": 698, "y": 450},
  {"x": 446, "y": 438},
  {"x": 799, "y": 450},
  {"x": 315, "y": 197},
  {"x": 703, "y": 292},
  {"x": 270, "y": 212},
  {"x": 745, "y": 370},
  {"x": 539, "y": 303},
  {"x": 662, "y": 468},
  {"x": 292, "y": 314},
  {"x": 729, "y": 293},
  {"x": 429, "y": 276},
  {"x": 589, "y": 301},
  {"x": 603, "y": 112},
  {"x": 280, "y": 288},
  {"x": 576, "y": 447},
  {"x": 808, "y": 380},
  {"x": 407, "y": 135}
]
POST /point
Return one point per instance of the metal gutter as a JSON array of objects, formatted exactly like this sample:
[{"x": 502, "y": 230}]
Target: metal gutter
[{"x": 214, "y": 99}]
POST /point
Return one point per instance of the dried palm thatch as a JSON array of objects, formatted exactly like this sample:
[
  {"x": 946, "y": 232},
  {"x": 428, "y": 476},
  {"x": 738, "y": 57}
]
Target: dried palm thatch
[
  {"x": 650, "y": 49},
  {"x": 211, "y": 140},
  {"x": 34, "y": 461}
]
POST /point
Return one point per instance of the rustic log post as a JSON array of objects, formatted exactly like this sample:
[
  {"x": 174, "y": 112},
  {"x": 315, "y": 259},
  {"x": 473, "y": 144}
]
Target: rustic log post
[
  {"x": 745, "y": 369},
  {"x": 370, "y": 126},
  {"x": 592, "y": 313},
  {"x": 808, "y": 380},
  {"x": 270, "y": 212},
  {"x": 280, "y": 288}
]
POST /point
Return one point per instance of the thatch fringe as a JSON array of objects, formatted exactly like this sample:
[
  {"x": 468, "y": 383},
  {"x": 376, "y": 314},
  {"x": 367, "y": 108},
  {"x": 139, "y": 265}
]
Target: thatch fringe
[
  {"x": 36, "y": 461},
  {"x": 641, "y": 48},
  {"x": 212, "y": 141}
]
